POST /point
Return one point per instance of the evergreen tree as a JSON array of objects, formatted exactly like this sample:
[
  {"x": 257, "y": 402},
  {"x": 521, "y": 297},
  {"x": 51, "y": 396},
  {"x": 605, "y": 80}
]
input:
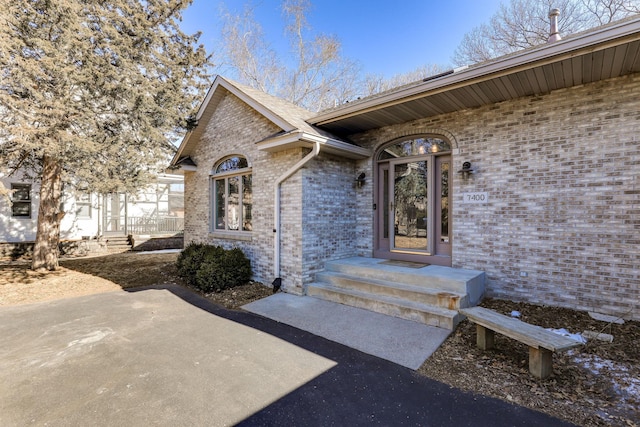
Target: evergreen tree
[{"x": 91, "y": 94}]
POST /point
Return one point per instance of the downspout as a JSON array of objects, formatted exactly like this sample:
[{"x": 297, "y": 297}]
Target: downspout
[{"x": 276, "y": 216}]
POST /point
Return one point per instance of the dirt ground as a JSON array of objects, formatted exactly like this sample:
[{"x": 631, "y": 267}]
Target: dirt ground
[{"x": 595, "y": 385}]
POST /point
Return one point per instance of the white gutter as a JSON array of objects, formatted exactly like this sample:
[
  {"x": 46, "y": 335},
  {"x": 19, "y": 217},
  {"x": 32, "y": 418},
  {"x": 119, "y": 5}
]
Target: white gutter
[
  {"x": 276, "y": 216},
  {"x": 299, "y": 139}
]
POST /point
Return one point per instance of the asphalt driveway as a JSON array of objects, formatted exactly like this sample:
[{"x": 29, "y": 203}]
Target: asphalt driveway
[{"x": 167, "y": 357}]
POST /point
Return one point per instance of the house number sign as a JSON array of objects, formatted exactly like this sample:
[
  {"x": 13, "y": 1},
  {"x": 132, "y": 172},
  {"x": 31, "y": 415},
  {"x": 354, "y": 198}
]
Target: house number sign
[{"x": 475, "y": 197}]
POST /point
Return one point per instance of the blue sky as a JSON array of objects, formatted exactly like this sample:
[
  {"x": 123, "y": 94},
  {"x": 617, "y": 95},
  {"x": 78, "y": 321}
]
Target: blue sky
[{"x": 384, "y": 37}]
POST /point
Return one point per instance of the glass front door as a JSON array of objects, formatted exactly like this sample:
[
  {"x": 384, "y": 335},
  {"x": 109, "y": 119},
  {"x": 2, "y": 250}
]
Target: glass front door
[
  {"x": 413, "y": 209},
  {"x": 410, "y": 206}
]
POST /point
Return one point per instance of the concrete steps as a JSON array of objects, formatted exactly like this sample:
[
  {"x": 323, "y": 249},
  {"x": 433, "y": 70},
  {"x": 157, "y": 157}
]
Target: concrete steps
[
  {"x": 431, "y": 294},
  {"x": 116, "y": 244}
]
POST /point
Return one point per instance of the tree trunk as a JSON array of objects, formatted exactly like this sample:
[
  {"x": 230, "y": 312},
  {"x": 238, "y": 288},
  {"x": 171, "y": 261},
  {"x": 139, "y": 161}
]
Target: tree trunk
[{"x": 45, "y": 250}]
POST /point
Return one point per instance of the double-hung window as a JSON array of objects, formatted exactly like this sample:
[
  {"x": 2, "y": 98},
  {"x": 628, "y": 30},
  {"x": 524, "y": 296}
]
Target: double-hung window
[
  {"x": 232, "y": 195},
  {"x": 21, "y": 200},
  {"x": 83, "y": 205}
]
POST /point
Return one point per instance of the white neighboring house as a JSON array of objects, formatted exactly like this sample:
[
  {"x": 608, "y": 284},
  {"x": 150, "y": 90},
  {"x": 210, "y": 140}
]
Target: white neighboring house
[{"x": 157, "y": 210}]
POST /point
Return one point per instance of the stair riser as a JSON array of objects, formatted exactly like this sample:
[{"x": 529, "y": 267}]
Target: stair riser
[
  {"x": 401, "y": 277},
  {"x": 441, "y": 299},
  {"x": 116, "y": 244},
  {"x": 390, "y": 309}
]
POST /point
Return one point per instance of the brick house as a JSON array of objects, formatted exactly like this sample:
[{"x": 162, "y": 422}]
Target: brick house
[{"x": 526, "y": 168}]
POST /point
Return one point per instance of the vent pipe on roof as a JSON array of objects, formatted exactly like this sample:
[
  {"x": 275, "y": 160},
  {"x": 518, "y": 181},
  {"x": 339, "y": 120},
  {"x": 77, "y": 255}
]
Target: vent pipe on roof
[{"x": 554, "y": 35}]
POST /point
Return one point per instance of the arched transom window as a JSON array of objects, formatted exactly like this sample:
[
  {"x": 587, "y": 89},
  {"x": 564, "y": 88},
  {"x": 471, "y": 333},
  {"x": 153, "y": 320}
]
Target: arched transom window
[
  {"x": 232, "y": 195},
  {"x": 414, "y": 147}
]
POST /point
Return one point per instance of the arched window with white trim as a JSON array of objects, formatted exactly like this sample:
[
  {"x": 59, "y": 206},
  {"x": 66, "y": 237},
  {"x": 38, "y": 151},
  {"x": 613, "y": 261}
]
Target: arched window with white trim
[{"x": 232, "y": 195}]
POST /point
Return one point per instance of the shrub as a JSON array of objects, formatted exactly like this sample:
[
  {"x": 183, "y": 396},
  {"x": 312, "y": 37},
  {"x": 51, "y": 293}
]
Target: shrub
[
  {"x": 191, "y": 258},
  {"x": 212, "y": 268},
  {"x": 222, "y": 271}
]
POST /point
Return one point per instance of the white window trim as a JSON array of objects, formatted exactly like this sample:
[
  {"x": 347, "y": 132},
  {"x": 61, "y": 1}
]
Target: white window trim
[
  {"x": 227, "y": 233},
  {"x": 29, "y": 201},
  {"x": 87, "y": 203}
]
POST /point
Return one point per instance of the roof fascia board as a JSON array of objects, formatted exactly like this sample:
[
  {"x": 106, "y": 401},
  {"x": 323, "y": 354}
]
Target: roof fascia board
[
  {"x": 183, "y": 144},
  {"x": 591, "y": 41},
  {"x": 201, "y": 109},
  {"x": 221, "y": 81},
  {"x": 180, "y": 170},
  {"x": 273, "y": 117},
  {"x": 303, "y": 137},
  {"x": 337, "y": 145}
]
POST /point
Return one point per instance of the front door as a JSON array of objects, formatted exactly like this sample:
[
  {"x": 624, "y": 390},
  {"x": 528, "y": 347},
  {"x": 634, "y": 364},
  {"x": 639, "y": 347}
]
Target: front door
[
  {"x": 409, "y": 210},
  {"x": 412, "y": 209}
]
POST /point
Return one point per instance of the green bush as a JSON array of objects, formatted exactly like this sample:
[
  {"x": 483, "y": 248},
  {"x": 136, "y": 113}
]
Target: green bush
[
  {"x": 191, "y": 258},
  {"x": 223, "y": 270},
  {"x": 212, "y": 268}
]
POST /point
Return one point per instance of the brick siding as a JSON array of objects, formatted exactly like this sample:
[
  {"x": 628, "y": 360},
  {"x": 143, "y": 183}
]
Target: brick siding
[
  {"x": 234, "y": 129},
  {"x": 329, "y": 215},
  {"x": 562, "y": 172}
]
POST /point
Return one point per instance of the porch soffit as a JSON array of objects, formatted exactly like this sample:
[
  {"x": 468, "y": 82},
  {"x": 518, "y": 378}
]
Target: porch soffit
[{"x": 608, "y": 52}]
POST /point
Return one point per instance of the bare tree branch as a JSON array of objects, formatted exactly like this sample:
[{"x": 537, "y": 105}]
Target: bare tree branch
[{"x": 522, "y": 24}]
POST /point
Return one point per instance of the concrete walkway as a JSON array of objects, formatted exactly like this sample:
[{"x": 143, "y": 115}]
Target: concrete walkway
[
  {"x": 400, "y": 341},
  {"x": 167, "y": 357}
]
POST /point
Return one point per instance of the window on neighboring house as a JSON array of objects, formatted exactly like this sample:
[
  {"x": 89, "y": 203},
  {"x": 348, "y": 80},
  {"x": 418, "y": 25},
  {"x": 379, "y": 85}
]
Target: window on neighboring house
[
  {"x": 21, "y": 200},
  {"x": 232, "y": 195},
  {"x": 83, "y": 205}
]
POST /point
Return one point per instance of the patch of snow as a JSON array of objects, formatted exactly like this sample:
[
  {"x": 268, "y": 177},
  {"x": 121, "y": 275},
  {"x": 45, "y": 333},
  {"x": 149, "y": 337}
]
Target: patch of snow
[
  {"x": 625, "y": 385},
  {"x": 565, "y": 333},
  {"x": 591, "y": 335},
  {"x": 515, "y": 313},
  {"x": 606, "y": 318}
]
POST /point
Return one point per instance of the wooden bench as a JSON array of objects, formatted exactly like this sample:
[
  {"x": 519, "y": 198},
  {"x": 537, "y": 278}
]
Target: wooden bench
[{"x": 542, "y": 343}]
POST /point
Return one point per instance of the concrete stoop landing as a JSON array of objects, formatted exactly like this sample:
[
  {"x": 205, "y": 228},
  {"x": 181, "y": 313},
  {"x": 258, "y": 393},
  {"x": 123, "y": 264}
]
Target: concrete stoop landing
[{"x": 428, "y": 294}]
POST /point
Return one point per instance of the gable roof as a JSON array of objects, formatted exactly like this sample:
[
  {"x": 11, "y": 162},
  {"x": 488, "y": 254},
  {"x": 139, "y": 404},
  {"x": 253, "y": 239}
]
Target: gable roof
[
  {"x": 296, "y": 131},
  {"x": 605, "y": 52}
]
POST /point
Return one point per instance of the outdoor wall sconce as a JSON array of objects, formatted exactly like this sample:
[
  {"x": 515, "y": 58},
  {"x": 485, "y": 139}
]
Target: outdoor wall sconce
[
  {"x": 466, "y": 170},
  {"x": 360, "y": 180}
]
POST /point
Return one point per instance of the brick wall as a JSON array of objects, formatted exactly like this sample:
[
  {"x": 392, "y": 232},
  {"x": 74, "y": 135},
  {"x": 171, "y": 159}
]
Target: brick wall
[
  {"x": 234, "y": 129},
  {"x": 562, "y": 172},
  {"x": 329, "y": 215}
]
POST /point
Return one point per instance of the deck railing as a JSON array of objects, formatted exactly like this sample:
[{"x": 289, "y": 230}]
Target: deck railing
[{"x": 154, "y": 225}]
